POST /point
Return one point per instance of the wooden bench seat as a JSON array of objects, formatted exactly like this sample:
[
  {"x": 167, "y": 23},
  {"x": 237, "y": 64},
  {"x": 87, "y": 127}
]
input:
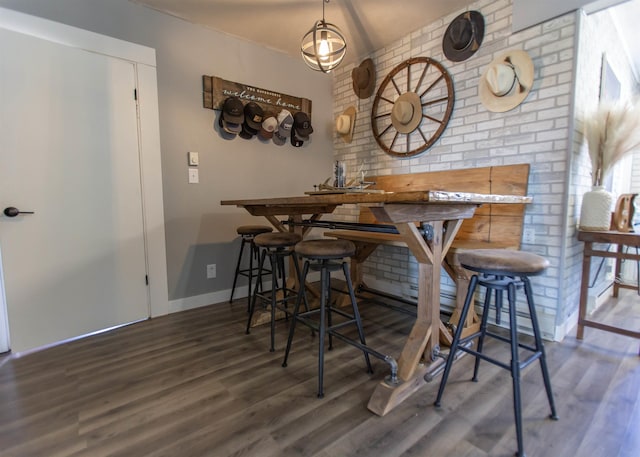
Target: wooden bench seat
[{"x": 492, "y": 226}]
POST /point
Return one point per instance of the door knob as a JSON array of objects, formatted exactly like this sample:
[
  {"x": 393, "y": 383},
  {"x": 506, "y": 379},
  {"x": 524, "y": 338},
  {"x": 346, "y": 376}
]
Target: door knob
[{"x": 11, "y": 211}]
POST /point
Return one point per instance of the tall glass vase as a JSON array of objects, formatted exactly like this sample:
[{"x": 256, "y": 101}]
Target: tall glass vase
[{"x": 595, "y": 213}]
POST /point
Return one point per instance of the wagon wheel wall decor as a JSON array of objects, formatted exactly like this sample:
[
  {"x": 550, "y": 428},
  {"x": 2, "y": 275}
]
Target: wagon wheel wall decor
[{"x": 419, "y": 83}]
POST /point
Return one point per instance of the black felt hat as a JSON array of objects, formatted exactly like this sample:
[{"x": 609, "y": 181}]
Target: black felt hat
[{"x": 464, "y": 36}]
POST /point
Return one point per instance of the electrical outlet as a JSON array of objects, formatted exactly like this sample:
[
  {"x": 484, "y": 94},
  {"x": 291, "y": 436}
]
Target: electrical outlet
[
  {"x": 211, "y": 271},
  {"x": 193, "y": 176},
  {"x": 529, "y": 236}
]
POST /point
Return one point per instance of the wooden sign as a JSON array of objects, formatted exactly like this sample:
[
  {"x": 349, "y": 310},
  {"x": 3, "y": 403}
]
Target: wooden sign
[{"x": 217, "y": 90}]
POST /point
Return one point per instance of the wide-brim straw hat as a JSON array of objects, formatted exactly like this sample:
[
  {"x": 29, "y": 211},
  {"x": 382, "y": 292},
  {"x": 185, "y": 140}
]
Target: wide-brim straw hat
[
  {"x": 507, "y": 81},
  {"x": 406, "y": 113},
  {"x": 464, "y": 36},
  {"x": 345, "y": 124},
  {"x": 363, "y": 78}
]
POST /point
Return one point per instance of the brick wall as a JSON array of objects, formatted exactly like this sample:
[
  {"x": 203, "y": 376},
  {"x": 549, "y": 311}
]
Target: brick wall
[{"x": 539, "y": 132}]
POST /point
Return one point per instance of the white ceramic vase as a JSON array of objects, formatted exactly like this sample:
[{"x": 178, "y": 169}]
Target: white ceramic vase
[{"x": 595, "y": 213}]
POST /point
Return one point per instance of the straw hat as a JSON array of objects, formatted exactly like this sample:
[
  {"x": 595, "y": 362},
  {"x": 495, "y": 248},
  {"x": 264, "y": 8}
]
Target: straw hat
[
  {"x": 364, "y": 79},
  {"x": 406, "y": 113},
  {"x": 345, "y": 123},
  {"x": 464, "y": 36},
  {"x": 507, "y": 81}
]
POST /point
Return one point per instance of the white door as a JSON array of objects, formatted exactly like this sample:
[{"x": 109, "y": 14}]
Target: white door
[{"x": 69, "y": 153}]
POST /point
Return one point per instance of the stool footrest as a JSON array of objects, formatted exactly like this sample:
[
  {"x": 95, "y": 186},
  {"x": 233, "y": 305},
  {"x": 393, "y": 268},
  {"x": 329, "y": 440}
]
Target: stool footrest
[
  {"x": 254, "y": 270},
  {"x": 280, "y": 303},
  {"x": 504, "y": 339},
  {"x": 306, "y": 320}
]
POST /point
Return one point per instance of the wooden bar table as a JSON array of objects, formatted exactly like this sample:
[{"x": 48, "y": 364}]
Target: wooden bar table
[
  {"x": 622, "y": 240},
  {"x": 445, "y": 211}
]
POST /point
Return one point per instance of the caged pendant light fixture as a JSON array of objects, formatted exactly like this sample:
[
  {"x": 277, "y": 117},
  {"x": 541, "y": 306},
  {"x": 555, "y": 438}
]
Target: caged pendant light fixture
[{"x": 323, "y": 47}]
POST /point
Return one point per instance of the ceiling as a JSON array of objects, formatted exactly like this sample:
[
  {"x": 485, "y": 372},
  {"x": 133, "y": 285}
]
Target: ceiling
[{"x": 368, "y": 25}]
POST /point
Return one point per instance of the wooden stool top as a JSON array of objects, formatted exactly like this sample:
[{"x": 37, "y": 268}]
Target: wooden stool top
[
  {"x": 253, "y": 229},
  {"x": 505, "y": 262},
  {"x": 326, "y": 249},
  {"x": 277, "y": 240}
]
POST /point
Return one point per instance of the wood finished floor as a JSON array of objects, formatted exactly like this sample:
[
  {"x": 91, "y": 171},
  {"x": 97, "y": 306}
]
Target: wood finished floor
[{"x": 193, "y": 384}]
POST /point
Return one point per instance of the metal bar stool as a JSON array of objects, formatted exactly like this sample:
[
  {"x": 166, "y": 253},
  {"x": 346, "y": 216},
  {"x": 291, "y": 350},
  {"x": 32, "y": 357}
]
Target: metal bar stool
[
  {"x": 327, "y": 256},
  {"x": 248, "y": 233},
  {"x": 499, "y": 270},
  {"x": 277, "y": 246}
]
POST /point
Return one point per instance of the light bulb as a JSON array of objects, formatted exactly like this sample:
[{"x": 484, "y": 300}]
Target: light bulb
[{"x": 323, "y": 49}]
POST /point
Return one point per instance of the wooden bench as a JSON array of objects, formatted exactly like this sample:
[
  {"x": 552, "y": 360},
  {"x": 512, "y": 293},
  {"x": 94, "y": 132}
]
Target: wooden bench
[{"x": 492, "y": 226}]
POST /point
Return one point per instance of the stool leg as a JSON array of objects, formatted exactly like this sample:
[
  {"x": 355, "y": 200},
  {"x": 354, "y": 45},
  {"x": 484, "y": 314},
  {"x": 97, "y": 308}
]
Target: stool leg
[
  {"x": 328, "y": 308},
  {"x": 235, "y": 277},
  {"x": 275, "y": 260},
  {"x": 483, "y": 329},
  {"x": 252, "y": 305},
  {"x": 515, "y": 366},
  {"x": 301, "y": 291},
  {"x": 296, "y": 310},
  {"x": 356, "y": 313},
  {"x": 539, "y": 346},
  {"x": 252, "y": 248},
  {"x": 499, "y": 301},
  {"x": 324, "y": 279},
  {"x": 456, "y": 337}
]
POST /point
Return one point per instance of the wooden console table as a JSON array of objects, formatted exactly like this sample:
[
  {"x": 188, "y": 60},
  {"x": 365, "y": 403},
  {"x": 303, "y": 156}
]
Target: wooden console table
[
  {"x": 445, "y": 211},
  {"x": 622, "y": 240}
]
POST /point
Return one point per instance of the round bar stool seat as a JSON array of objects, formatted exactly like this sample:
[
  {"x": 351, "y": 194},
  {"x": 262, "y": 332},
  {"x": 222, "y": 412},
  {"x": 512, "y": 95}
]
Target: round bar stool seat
[
  {"x": 503, "y": 262},
  {"x": 276, "y": 246},
  {"x": 326, "y": 249},
  {"x": 277, "y": 240},
  {"x": 253, "y": 230},
  {"x": 327, "y": 255},
  {"x": 500, "y": 270},
  {"x": 247, "y": 233}
]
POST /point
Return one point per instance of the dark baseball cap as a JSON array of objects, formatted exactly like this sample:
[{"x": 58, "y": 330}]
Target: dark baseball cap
[
  {"x": 247, "y": 132},
  {"x": 233, "y": 110},
  {"x": 296, "y": 141},
  {"x": 229, "y": 127},
  {"x": 302, "y": 124},
  {"x": 253, "y": 115}
]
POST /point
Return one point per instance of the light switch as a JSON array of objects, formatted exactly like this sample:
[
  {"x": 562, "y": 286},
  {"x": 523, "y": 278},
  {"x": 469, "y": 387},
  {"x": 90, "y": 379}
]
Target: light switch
[
  {"x": 193, "y": 176},
  {"x": 193, "y": 159}
]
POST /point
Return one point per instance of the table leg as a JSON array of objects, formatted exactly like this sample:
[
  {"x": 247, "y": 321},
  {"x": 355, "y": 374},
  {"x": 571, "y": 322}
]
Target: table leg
[
  {"x": 424, "y": 337},
  {"x": 617, "y": 278},
  {"x": 584, "y": 288}
]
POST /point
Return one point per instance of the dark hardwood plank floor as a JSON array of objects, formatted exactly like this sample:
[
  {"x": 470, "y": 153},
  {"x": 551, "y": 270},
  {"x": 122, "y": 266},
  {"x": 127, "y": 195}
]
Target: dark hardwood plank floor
[{"x": 193, "y": 384}]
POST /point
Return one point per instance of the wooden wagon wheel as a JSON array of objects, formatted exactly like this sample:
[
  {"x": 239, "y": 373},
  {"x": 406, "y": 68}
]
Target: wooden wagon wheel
[{"x": 419, "y": 81}]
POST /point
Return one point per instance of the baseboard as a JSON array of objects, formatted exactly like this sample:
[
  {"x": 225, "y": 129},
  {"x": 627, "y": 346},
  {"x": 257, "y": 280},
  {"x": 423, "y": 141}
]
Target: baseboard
[
  {"x": 596, "y": 298},
  {"x": 220, "y": 296}
]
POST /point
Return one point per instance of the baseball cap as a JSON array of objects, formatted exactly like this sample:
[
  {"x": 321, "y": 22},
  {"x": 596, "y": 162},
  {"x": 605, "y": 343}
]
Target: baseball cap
[
  {"x": 268, "y": 126},
  {"x": 302, "y": 125},
  {"x": 253, "y": 115},
  {"x": 296, "y": 141},
  {"x": 279, "y": 139},
  {"x": 285, "y": 123},
  {"x": 230, "y": 128},
  {"x": 247, "y": 132},
  {"x": 233, "y": 111}
]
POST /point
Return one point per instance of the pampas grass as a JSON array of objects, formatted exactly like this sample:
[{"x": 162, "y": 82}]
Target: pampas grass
[{"x": 612, "y": 131}]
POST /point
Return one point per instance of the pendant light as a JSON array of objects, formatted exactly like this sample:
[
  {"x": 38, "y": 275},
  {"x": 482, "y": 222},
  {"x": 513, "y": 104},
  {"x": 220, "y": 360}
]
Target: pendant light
[{"x": 323, "y": 47}]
